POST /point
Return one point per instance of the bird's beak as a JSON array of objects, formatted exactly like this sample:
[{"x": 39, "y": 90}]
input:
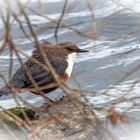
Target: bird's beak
[{"x": 82, "y": 50}]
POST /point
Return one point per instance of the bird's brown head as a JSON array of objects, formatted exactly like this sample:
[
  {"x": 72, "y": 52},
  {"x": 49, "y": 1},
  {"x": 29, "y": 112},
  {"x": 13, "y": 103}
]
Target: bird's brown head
[{"x": 71, "y": 47}]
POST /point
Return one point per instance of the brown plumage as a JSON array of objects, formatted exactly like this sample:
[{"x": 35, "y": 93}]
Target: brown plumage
[{"x": 57, "y": 56}]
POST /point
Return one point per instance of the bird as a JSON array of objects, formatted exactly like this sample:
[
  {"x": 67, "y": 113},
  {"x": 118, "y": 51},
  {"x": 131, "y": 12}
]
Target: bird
[{"x": 61, "y": 56}]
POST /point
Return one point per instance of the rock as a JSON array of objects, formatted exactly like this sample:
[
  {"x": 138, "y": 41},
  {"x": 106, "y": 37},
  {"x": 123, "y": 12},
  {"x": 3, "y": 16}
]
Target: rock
[{"x": 63, "y": 121}]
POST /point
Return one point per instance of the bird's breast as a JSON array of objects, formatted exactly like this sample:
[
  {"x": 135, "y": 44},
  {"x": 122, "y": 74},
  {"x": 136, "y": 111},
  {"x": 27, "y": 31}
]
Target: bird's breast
[{"x": 70, "y": 59}]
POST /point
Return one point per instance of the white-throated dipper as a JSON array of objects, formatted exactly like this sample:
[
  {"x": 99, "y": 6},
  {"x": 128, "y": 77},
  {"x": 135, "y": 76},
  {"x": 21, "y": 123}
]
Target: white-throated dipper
[{"x": 61, "y": 57}]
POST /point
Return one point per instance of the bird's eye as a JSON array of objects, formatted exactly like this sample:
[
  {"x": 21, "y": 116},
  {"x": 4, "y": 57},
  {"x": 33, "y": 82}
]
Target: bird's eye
[{"x": 69, "y": 49}]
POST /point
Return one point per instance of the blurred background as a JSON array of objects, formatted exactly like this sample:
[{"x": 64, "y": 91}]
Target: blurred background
[{"x": 108, "y": 29}]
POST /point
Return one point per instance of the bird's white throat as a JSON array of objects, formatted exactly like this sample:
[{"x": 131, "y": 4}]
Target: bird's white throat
[{"x": 70, "y": 59}]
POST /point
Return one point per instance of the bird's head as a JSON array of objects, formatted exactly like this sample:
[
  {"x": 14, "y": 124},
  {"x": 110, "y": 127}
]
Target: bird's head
[{"x": 71, "y": 47}]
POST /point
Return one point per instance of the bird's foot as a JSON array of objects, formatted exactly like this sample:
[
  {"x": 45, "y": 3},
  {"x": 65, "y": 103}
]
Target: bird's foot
[
  {"x": 59, "y": 100},
  {"x": 47, "y": 105}
]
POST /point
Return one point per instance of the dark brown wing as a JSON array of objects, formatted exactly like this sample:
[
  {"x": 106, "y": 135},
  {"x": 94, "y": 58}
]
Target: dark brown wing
[{"x": 38, "y": 73}]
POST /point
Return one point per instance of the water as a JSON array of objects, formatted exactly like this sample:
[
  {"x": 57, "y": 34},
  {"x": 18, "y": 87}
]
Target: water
[{"x": 114, "y": 54}]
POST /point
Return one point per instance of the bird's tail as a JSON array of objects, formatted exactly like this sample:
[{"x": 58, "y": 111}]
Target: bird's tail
[{"x": 4, "y": 91}]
